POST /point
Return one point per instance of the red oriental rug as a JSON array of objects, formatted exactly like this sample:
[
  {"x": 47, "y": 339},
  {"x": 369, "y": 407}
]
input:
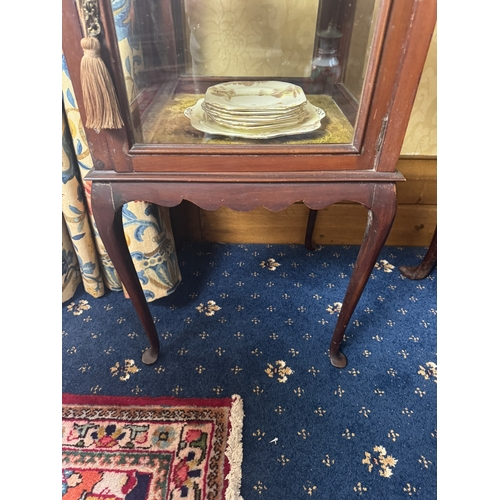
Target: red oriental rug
[{"x": 127, "y": 448}]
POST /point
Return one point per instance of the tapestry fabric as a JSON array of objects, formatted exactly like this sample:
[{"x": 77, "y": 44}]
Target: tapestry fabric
[
  {"x": 132, "y": 448},
  {"x": 147, "y": 227},
  {"x": 256, "y": 320}
]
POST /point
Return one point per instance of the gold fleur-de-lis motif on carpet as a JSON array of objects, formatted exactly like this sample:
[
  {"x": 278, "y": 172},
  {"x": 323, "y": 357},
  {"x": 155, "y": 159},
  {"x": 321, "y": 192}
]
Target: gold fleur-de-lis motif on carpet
[
  {"x": 335, "y": 309},
  {"x": 379, "y": 392},
  {"x": 280, "y": 370},
  {"x": 77, "y": 309},
  {"x": 236, "y": 370},
  {"x": 280, "y": 410},
  {"x": 407, "y": 412},
  {"x": 200, "y": 369},
  {"x": 422, "y": 460},
  {"x": 299, "y": 391},
  {"x": 270, "y": 264},
  {"x": 259, "y": 487},
  {"x": 124, "y": 370},
  {"x": 384, "y": 462},
  {"x": 218, "y": 390},
  {"x": 177, "y": 390},
  {"x": 257, "y": 390},
  {"x": 430, "y": 372},
  {"x": 359, "y": 488},
  {"x": 97, "y": 388},
  {"x": 328, "y": 461},
  {"x": 409, "y": 489},
  {"x": 283, "y": 460},
  {"x": 303, "y": 434},
  {"x": 258, "y": 434},
  {"x": 348, "y": 434},
  {"x": 209, "y": 309},
  {"x": 393, "y": 435},
  {"x": 420, "y": 392},
  {"x": 310, "y": 489},
  {"x": 339, "y": 391},
  {"x": 353, "y": 372},
  {"x": 313, "y": 370},
  {"x": 385, "y": 265},
  {"x": 320, "y": 411},
  {"x": 364, "y": 411},
  {"x": 159, "y": 369}
]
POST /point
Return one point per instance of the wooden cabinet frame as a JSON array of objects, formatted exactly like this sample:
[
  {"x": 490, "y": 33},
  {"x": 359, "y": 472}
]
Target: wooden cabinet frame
[{"x": 272, "y": 176}]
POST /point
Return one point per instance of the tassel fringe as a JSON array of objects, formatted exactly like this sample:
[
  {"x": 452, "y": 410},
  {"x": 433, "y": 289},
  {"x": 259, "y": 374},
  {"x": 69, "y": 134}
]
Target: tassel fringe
[
  {"x": 99, "y": 95},
  {"x": 234, "y": 449}
]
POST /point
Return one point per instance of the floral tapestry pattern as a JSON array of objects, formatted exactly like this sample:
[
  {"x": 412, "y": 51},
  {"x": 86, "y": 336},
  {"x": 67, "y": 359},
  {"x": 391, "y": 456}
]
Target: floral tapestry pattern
[{"x": 147, "y": 227}]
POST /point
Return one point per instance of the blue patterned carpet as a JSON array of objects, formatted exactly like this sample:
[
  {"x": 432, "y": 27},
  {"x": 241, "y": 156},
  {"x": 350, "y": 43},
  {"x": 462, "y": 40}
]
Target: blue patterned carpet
[{"x": 256, "y": 320}]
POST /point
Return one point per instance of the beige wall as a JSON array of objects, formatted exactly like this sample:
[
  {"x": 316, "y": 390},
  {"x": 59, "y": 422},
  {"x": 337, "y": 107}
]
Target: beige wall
[{"x": 421, "y": 134}]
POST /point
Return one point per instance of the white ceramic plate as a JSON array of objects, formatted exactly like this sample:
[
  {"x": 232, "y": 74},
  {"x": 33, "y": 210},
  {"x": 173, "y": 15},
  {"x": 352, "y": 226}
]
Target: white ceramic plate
[
  {"x": 247, "y": 117},
  {"x": 201, "y": 121},
  {"x": 260, "y": 96},
  {"x": 238, "y": 121}
]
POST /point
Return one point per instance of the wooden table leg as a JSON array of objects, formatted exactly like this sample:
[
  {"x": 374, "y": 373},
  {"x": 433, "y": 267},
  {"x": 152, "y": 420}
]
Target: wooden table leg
[
  {"x": 108, "y": 218},
  {"x": 311, "y": 221},
  {"x": 381, "y": 212},
  {"x": 428, "y": 263}
]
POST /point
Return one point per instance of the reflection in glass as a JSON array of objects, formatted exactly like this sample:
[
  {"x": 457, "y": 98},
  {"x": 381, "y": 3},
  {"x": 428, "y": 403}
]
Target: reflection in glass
[{"x": 173, "y": 51}]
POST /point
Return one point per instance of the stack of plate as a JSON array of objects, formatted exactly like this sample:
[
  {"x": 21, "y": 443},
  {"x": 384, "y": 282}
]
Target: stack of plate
[{"x": 255, "y": 110}]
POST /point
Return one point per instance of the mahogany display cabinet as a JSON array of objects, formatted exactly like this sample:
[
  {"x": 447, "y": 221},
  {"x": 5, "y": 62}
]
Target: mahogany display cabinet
[{"x": 247, "y": 104}]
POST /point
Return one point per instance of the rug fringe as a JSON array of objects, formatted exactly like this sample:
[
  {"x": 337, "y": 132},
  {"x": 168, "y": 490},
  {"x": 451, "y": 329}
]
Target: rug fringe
[{"x": 234, "y": 449}]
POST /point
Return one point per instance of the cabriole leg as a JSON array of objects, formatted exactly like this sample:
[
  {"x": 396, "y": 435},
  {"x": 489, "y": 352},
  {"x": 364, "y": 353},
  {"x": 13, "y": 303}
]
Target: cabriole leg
[
  {"x": 108, "y": 219},
  {"x": 380, "y": 218},
  {"x": 425, "y": 267}
]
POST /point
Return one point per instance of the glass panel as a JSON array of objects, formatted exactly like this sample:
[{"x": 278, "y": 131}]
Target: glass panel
[{"x": 245, "y": 71}]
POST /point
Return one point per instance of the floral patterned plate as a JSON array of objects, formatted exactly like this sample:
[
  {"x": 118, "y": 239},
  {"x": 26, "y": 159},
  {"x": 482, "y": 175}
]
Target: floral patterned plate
[
  {"x": 255, "y": 96},
  {"x": 200, "y": 120}
]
